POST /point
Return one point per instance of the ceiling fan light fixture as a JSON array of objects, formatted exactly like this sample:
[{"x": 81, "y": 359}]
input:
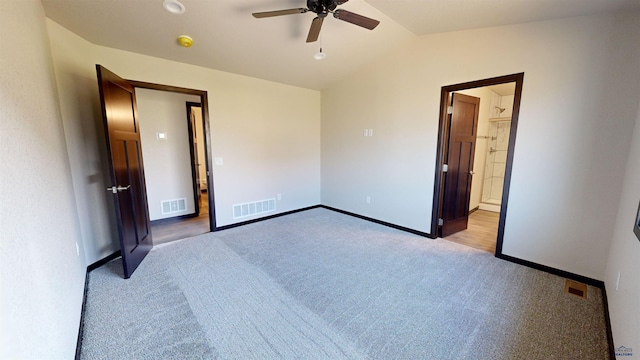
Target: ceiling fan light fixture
[
  {"x": 173, "y": 6},
  {"x": 320, "y": 55}
]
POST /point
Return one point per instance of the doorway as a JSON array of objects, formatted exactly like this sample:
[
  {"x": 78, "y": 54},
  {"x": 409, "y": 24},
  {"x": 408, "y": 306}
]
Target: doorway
[
  {"x": 179, "y": 145},
  {"x": 474, "y": 161},
  {"x": 197, "y": 153}
]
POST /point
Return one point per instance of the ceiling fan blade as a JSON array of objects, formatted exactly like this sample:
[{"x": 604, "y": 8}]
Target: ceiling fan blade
[
  {"x": 356, "y": 19},
  {"x": 314, "y": 31},
  {"x": 279, "y": 12}
]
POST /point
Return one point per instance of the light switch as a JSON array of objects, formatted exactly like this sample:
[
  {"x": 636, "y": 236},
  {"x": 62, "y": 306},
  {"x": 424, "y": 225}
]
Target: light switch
[
  {"x": 218, "y": 161},
  {"x": 161, "y": 136}
]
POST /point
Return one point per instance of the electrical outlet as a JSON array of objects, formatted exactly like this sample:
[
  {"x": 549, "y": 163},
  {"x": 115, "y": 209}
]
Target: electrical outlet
[
  {"x": 279, "y": 196},
  {"x": 368, "y": 199},
  {"x": 618, "y": 281}
]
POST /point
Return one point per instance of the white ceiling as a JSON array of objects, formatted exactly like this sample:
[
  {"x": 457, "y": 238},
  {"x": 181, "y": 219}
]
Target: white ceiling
[
  {"x": 226, "y": 36},
  {"x": 434, "y": 16},
  {"x": 504, "y": 89}
]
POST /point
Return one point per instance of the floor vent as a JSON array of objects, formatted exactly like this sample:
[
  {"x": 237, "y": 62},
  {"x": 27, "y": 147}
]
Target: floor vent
[
  {"x": 174, "y": 206},
  {"x": 253, "y": 208},
  {"x": 576, "y": 288}
]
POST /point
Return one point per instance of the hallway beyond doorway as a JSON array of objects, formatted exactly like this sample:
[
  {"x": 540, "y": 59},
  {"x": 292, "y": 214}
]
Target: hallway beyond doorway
[{"x": 176, "y": 229}]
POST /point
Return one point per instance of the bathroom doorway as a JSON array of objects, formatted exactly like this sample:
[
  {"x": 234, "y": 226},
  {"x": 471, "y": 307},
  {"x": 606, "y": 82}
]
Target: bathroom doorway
[{"x": 470, "y": 200}]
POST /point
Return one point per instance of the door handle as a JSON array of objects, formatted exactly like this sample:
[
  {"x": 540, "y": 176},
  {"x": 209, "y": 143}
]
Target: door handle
[
  {"x": 115, "y": 189},
  {"x": 471, "y": 172}
]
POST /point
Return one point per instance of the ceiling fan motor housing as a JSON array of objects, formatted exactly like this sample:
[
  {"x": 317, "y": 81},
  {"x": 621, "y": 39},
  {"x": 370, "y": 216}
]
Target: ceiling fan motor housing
[{"x": 323, "y": 6}]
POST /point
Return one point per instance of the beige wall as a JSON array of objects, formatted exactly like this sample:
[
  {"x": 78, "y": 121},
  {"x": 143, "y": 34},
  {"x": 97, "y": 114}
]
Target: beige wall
[
  {"x": 167, "y": 163},
  {"x": 565, "y": 189},
  {"x": 623, "y": 257},
  {"x": 74, "y": 64},
  {"x": 573, "y": 132},
  {"x": 267, "y": 134},
  {"x": 41, "y": 272}
]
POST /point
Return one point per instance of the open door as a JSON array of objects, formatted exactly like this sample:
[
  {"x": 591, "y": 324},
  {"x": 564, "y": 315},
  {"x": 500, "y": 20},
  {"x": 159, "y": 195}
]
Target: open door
[
  {"x": 459, "y": 160},
  {"x": 118, "y": 101},
  {"x": 193, "y": 149}
]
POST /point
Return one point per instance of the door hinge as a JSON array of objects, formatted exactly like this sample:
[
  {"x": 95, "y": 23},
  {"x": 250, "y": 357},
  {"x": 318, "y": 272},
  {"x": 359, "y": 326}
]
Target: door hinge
[
  {"x": 450, "y": 110},
  {"x": 445, "y": 167},
  {"x": 440, "y": 222}
]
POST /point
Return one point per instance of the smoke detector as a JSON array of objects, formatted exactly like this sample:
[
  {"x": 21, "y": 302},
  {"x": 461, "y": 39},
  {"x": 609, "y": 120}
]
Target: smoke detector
[{"x": 185, "y": 41}]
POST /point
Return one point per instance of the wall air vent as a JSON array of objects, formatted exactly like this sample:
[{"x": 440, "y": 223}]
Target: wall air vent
[
  {"x": 253, "y": 208},
  {"x": 174, "y": 206}
]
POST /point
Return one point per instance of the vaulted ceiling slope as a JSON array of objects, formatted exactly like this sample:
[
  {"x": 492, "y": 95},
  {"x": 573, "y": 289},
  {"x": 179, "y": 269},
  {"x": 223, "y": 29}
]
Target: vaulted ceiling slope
[
  {"x": 435, "y": 16},
  {"x": 227, "y": 38}
]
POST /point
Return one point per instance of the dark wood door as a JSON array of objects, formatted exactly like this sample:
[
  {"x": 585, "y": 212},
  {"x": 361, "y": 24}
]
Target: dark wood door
[
  {"x": 459, "y": 158},
  {"x": 195, "y": 161},
  {"x": 120, "y": 115}
]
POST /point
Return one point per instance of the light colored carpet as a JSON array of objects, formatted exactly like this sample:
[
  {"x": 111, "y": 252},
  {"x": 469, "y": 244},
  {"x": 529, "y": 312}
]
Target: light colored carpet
[
  {"x": 322, "y": 285},
  {"x": 143, "y": 317}
]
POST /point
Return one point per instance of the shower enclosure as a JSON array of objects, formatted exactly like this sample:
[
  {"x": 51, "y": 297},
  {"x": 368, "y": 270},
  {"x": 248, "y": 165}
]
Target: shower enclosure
[{"x": 496, "y": 161}]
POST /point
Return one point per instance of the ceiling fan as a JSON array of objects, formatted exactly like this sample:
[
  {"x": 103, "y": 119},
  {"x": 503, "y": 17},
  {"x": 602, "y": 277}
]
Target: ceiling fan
[{"x": 322, "y": 8}]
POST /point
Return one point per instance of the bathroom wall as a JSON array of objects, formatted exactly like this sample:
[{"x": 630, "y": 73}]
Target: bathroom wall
[
  {"x": 489, "y": 166},
  {"x": 506, "y": 102},
  {"x": 496, "y": 160}
]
